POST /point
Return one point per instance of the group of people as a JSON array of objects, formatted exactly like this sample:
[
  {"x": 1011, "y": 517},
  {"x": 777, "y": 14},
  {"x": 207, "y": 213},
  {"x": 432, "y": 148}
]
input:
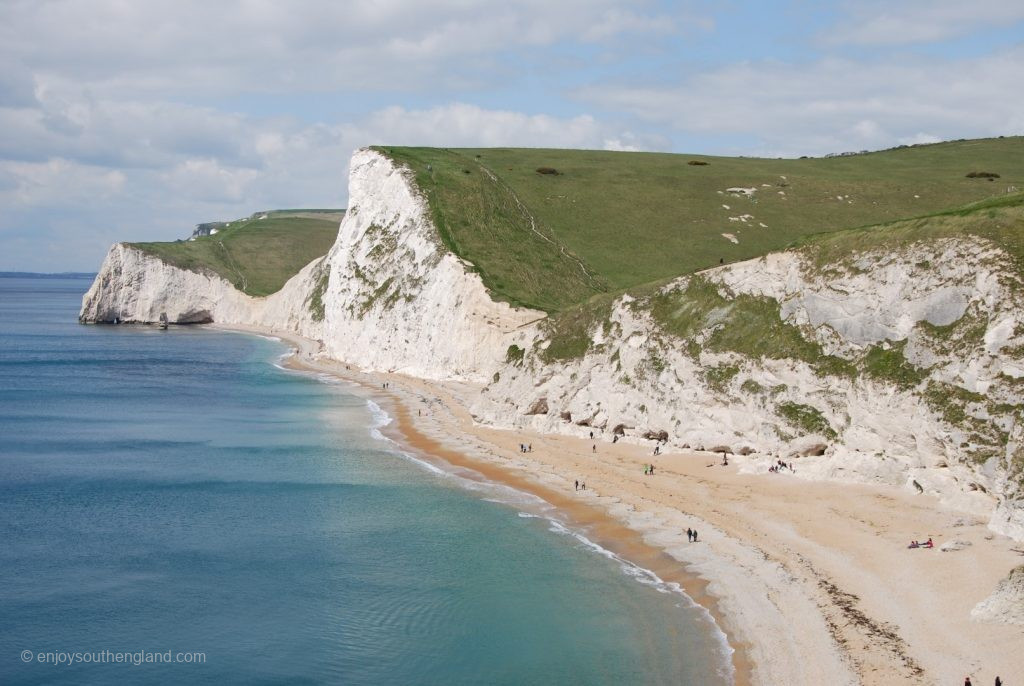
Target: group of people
[
  {"x": 779, "y": 466},
  {"x": 691, "y": 535},
  {"x": 581, "y": 485},
  {"x": 648, "y": 469},
  {"x": 926, "y": 544},
  {"x": 526, "y": 447}
]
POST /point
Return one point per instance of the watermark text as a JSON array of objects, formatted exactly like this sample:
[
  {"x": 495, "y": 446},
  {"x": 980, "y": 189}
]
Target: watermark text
[{"x": 106, "y": 657}]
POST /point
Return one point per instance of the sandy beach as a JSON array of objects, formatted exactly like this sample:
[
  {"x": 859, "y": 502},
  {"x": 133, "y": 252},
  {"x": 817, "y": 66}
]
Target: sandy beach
[{"x": 812, "y": 582}]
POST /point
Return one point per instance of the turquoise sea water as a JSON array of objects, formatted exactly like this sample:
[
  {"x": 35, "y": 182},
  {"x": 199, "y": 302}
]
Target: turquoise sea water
[{"x": 176, "y": 492}]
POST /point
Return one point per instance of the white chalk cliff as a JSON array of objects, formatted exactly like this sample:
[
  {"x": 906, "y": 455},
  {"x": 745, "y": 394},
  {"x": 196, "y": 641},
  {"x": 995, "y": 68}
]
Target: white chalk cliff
[{"x": 395, "y": 299}]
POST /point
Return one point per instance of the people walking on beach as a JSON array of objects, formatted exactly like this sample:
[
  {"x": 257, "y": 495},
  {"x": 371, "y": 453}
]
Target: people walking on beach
[
  {"x": 689, "y": 535},
  {"x": 694, "y": 535},
  {"x": 577, "y": 484}
]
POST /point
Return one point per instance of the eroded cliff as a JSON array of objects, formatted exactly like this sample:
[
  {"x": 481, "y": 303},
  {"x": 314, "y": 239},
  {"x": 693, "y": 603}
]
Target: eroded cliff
[{"x": 899, "y": 363}]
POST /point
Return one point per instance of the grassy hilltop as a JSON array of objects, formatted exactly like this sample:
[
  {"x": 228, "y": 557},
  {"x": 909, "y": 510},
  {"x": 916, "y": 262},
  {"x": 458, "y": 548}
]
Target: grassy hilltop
[
  {"x": 608, "y": 221},
  {"x": 257, "y": 254}
]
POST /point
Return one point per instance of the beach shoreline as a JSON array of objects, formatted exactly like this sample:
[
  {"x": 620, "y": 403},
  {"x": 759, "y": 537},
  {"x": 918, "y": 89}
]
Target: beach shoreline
[{"x": 810, "y": 581}]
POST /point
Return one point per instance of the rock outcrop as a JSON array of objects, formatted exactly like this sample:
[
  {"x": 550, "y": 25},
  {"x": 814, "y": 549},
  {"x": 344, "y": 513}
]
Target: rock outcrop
[{"x": 1006, "y": 604}]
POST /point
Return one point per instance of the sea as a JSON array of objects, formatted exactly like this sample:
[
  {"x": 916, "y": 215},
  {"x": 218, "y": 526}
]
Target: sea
[{"x": 176, "y": 507}]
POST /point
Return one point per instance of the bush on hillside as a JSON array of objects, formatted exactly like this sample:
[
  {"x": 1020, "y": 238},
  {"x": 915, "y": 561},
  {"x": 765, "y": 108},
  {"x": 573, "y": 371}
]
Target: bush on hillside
[
  {"x": 697, "y": 163},
  {"x": 551, "y": 171},
  {"x": 982, "y": 175}
]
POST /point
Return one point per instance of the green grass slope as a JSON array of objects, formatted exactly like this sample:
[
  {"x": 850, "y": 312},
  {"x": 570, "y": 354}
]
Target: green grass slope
[
  {"x": 753, "y": 326},
  {"x": 608, "y": 221},
  {"x": 256, "y": 255}
]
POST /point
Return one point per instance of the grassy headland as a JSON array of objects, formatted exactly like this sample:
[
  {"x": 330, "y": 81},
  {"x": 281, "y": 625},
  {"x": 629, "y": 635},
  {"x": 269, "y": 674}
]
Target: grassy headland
[
  {"x": 257, "y": 254},
  {"x": 601, "y": 222}
]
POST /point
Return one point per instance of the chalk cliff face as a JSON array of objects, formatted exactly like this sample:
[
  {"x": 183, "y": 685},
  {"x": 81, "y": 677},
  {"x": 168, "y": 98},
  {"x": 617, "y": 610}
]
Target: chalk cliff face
[
  {"x": 390, "y": 297},
  {"x": 397, "y": 300},
  {"x": 134, "y": 287},
  {"x": 952, "y": 430}
]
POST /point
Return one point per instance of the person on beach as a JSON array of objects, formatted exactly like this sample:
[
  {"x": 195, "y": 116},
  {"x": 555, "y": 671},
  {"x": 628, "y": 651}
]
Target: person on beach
[
  {"x": 967, "y": 681},
  {"x": 591, "y": 435},
  {"x": 999, "y": 682},
  {"x": 652, "y": 469},
  {"x": 694, "y": 535},
  {"x": 583, "y": 486},
  {"x": 593, "y": 448},
  {"x": 577, "y": 484},
  {"x": 689, "y": 535},
  {"x": 529, "y": 447}
]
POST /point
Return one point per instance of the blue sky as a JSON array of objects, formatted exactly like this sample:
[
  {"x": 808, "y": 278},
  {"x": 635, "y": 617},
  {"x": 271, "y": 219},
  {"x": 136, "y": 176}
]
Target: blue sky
[{"x": 134, "y": 121}]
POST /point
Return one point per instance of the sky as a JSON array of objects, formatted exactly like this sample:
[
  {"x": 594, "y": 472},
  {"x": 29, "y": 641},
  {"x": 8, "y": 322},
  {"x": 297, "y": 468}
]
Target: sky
[{"x": 133, "y": 120}]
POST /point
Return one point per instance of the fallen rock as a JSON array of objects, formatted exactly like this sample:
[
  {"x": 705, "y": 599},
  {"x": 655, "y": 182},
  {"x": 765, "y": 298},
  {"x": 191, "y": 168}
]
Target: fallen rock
[
  {"x": 746, "y": 450},
  {"x": 955, "y": 544},
  {"x": 721, "y": 449},
  {"x": 656, "y": 435},
  {"x": 1006, "y": 604},
  {"x": 540, "y": 406}
]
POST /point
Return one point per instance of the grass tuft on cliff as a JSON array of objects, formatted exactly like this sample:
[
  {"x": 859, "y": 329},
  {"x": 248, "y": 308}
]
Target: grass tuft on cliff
[{"x": 257, "y": 256}]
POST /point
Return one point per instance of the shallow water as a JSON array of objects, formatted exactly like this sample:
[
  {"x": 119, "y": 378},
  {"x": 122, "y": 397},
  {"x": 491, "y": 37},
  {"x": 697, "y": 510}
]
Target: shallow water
[{"x": 175, "y": 491}]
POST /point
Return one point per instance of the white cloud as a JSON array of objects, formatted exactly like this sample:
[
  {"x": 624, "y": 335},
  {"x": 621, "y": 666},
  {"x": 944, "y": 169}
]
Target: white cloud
[
  {"x": 217, "y": 48},
  {"x": 883, "y": 22},
  {"x": 165, "y": 186},
  {"x": 464, "y": 125},
  {"x": 834, "y": 104},
  {"x": 38, "y": 183}
]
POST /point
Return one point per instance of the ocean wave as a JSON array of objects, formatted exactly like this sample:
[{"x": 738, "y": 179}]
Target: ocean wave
[{"x": 380, "y": 419}]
